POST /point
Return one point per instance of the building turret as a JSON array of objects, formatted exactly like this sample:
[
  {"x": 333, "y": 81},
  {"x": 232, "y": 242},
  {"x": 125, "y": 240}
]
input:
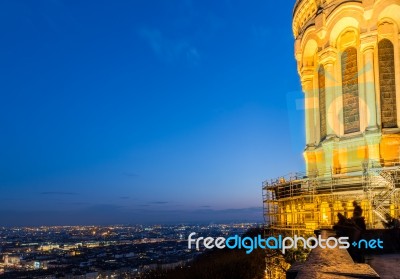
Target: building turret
[{"x": 348, "y": 60}]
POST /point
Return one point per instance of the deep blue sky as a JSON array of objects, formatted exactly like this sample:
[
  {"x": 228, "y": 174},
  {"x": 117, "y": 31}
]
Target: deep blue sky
[{"x": 145, "y": 111}]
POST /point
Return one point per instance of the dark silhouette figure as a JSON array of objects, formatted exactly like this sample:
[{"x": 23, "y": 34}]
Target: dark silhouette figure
[
  {"x": 357, "y": 212},
  {"x": 357, "y": 216},
  {"x": 342, "y": 220},
  {"x": 347, "y": 227},
  {"x": 354, "y": 228},
  {"x": 391, "y": 223},
  {"x": 393, "y": 226}
]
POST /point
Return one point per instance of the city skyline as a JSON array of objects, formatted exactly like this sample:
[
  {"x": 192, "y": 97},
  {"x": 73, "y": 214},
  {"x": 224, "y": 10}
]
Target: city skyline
[{"x": 145, "y": 111}]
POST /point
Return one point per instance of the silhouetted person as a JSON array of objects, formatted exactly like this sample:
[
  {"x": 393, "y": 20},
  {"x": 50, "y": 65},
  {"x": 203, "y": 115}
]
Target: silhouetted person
[
  {"x": 391, "y": 223},
  {"x": 359, "y": 229},
  {"x": 357, "y": 212},
  {"x": 388, "y": 223},
  {"x": 342, "y": 219},
  {"x": 396, "y": 223},
  {"x": 357, "y": 216}
]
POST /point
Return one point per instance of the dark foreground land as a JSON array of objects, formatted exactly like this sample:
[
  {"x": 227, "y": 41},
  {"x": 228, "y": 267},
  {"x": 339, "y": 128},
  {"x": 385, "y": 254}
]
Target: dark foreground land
[{"x": 221, "y": 264}]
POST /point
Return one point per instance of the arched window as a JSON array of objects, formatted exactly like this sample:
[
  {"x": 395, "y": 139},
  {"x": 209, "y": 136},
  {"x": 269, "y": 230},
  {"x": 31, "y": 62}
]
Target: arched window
[
  {"x": 351, "y": 113},
  {"x": 387, "y": 84},
  {"x": 322, "y": 102}
]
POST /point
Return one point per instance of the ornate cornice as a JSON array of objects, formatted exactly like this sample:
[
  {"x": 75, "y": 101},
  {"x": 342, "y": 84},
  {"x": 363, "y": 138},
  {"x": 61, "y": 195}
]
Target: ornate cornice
[{"x": 305, "y": 11}]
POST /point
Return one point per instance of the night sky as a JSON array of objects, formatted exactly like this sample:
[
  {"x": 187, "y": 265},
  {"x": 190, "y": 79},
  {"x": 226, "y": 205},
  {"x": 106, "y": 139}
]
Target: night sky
[{"x": 145, "y": 111}]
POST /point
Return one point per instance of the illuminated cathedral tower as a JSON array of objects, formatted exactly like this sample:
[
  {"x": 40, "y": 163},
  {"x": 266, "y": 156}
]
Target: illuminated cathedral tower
[{"x": 348, "y": 59}]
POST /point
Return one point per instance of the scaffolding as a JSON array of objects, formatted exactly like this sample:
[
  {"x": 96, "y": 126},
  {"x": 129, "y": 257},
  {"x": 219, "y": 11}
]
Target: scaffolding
[{"x": 299, "y": 203}]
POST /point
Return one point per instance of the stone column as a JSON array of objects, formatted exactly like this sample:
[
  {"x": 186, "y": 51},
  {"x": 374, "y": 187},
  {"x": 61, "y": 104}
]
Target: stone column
[
  {"x": 327, "y": 59},
  {"x": 370, "y": 95},
  {"x": 330, "y": 99},
  {"x": 307, "y": 82},
  {"x": 372, "y": 135}
]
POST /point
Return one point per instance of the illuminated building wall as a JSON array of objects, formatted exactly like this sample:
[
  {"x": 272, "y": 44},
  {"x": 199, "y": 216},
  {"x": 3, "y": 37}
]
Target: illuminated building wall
[{"x": 348, "y": 60}]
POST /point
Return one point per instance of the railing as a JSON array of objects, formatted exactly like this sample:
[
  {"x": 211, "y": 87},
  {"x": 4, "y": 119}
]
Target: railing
[
  {"x": 384, "y": 180},
  {"x": 334, "y": 173}
]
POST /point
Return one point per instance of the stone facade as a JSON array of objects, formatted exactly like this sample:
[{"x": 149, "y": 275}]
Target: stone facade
[
  {"x": 348, "y": 59},
  {"x": 351, "y": 114}
]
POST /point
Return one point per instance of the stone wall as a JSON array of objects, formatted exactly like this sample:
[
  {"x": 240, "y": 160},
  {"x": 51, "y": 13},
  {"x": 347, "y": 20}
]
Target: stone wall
[
  {"x": 330, "y": 264},
  {"x": 387, "y": 84}
]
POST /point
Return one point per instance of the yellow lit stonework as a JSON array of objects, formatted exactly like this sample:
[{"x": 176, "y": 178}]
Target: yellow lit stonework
[
  {"x": 343, "y": 38},
  {"x": 348, "y": 60}
]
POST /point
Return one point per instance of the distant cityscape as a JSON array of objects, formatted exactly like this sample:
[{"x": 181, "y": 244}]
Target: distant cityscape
[{"x": 119, "y": 251}]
